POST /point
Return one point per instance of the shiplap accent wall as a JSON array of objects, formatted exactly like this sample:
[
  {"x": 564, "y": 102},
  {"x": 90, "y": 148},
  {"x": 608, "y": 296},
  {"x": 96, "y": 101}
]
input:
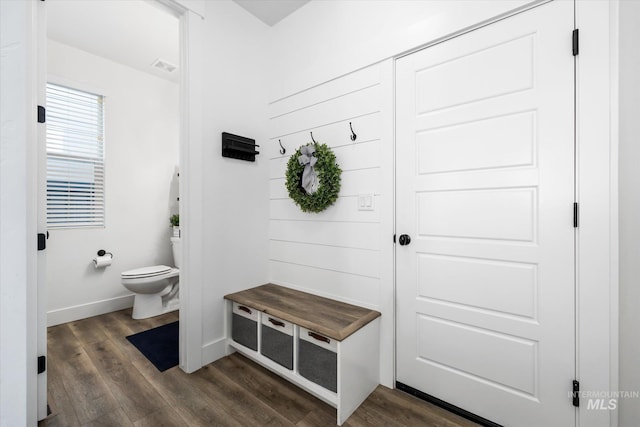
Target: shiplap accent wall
[{"x": 342, "y": 253}]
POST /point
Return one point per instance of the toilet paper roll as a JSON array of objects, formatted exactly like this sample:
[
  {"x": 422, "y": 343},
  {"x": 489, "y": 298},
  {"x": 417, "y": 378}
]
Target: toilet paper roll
[{"x": 102, "y": 261}]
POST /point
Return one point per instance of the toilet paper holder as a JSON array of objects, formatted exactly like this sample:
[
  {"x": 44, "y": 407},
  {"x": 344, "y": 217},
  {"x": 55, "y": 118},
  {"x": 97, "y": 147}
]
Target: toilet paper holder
[
  {"x": 102, "y": 252},
  {"x": 103, "y": 259}
]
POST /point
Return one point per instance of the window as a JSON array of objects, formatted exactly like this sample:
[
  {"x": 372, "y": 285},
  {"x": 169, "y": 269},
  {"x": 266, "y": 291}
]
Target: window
[{"x": 75, "y": 158}]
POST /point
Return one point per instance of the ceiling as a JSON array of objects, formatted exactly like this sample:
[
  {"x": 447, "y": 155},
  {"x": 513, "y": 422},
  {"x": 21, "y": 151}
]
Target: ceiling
[
  {"x": 271, "y": 11},
  {"x": 111, "y": 29}
]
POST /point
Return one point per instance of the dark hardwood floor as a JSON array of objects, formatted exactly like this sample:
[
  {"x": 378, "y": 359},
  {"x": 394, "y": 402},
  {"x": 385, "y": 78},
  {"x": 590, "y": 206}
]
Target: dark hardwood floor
[{"x": 97, "y": 378}]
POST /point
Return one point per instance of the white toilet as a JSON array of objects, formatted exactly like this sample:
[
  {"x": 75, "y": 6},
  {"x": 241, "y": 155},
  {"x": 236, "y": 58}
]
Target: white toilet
[{"x": 155, "y": 287}]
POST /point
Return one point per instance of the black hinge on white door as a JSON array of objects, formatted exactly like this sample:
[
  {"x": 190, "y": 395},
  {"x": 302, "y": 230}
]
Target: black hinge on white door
[
  {"x": 575, "y": 387},
  {"x": 42, "y": 114},
  {"x": 576, "y": 42},
  {"x": 42, "y": 238},
  {"x": 42, "y": 364},
  {"x": 576, "y": 212},
  {"x": 42, "y": 241}
]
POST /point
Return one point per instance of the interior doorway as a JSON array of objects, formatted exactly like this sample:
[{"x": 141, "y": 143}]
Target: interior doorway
[{"x": 168, "y": 9}]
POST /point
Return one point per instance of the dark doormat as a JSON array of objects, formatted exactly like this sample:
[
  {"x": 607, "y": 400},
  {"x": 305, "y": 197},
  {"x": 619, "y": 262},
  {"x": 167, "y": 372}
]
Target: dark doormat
[{"x": 159, "y": 345}]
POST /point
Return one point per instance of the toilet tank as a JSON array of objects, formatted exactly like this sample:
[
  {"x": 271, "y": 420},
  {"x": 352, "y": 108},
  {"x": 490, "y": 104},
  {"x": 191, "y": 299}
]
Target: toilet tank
[{"x": 176, "y": 246}]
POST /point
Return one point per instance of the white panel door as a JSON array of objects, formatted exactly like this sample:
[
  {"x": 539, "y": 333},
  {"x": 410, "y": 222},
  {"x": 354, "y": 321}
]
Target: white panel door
[{"x": 485, "y": 190}]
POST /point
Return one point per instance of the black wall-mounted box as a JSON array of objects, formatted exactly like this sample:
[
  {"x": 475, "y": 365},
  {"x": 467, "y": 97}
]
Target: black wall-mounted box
[{"x": 239, "y": 147}]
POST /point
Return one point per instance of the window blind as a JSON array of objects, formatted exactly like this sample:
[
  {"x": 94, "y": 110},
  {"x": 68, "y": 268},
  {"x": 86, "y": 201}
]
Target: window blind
[{"x": 75, "y": 158}]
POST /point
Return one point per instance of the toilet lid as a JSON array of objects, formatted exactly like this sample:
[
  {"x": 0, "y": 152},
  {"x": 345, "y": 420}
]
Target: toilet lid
[{"x": 154, "y": 270}]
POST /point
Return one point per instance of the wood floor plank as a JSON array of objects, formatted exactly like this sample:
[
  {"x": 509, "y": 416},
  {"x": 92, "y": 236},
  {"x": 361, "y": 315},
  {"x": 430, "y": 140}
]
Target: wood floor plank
[
  {"x": 124, "y": 316},
  {"x": 112, "y": 419},
  {"x": 248, "y": 409},
  {"x": 89, "y": 395},
  {"x": 319, "y": 419},
  {"x": 119, "y": 325},
  {"x": 164, "y": 417},
  {"x": 136, "y": 396},
  {"x": 164, "y": 319},
  {"x": 409, "y": 410},
  {"x": 97, "y": 378},
  {"x": 367, "y": 415},
  {"x": 87, "y": 330},
  {"x": 61, "y": 342},
  {"x": 293, "y": 404},
  {"x": 177, "y": 389},
  {"x": 61, "y": 404}
]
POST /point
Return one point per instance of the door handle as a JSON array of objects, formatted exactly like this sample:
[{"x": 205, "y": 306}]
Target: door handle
[{"x": 404, "y": 239}]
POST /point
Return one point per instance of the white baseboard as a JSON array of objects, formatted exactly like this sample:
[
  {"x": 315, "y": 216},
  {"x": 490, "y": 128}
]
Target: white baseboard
[
  {"x": 214, "y": 350},
  {"x": 77, "y": 312}
]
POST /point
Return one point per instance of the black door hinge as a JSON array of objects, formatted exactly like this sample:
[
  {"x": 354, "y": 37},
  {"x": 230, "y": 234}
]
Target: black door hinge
[
  {"x": 42, "y": 364},
  {"x": 394, "y": 238},
  {"x": 576, "y": 393},
  {"x": 42, "y": 114},
  {"x": 576, "y": 42},
  {"x": 42, "y": 241},
  {"x": 576, "y": 211}
]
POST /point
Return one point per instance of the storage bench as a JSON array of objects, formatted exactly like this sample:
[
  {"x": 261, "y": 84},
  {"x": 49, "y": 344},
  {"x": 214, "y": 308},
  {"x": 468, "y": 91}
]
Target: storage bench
[{"x": 327, "y": 347}]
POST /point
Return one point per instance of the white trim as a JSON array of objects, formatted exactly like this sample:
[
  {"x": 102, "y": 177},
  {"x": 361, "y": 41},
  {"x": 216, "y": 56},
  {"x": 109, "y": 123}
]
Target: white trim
[
  {"x": 387, "y": 226},
  {"x": 41, "y": 201},
  {"x": 76, "y": 84},
  {"x": 508, "y": 14},
  {"x": 214, "y": 350},
  {"x": 191, "y": 190},
  {"x": 614, "y": 259},
  {"x": 195, "y": 6},
  {"x": 192, "y": 32},
  {"x": 82, "y": 311},
  {"x": 597, "y": 186},
  {"x": 19, "y": 37}
]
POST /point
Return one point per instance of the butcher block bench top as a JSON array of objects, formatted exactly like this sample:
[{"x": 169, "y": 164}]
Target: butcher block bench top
[{"x": 325, "y": 316}]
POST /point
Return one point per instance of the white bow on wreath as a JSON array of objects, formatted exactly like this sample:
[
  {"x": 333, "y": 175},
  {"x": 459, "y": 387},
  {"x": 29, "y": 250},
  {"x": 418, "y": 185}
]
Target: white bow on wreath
[{"x": 309, "y": 181}]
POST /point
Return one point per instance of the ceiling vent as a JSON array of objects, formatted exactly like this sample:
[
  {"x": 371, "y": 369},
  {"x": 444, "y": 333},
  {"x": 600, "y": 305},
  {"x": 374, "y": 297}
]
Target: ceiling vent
[{"x": 163, "y": 65}]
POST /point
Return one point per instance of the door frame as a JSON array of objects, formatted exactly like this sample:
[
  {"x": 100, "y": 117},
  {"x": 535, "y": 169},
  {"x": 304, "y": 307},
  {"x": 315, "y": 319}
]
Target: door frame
[
  {"x": 191, "y": 23},
  {"x": 596, "y": 302},
  {"x": 190, "y": 14},
  {"x": 597, "y": 193},
  {"x": 18, "y": 222}
]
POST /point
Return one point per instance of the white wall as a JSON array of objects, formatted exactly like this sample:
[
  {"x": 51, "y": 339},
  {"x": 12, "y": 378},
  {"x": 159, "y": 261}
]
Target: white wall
[
  {"x": 236, "y": 192},
  {"x": 629, "y": 209},
  {"x": 327, "y": 39},
  {"x": 141, "y": 156},
  {"x": 342, "y": 252},
  {"x": 325, "y": 75}
]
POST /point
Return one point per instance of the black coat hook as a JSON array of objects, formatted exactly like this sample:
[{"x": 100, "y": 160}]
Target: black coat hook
[
  {"x": 282, "y": 149},
  {"x": 353, "y": 134},
  {"x": 312, "y": 138}
]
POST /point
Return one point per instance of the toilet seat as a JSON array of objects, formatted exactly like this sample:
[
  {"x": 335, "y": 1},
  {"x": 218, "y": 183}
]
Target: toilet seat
[
  {"x": 155, "y": 273},
  {"x": 144, "y": 272}
]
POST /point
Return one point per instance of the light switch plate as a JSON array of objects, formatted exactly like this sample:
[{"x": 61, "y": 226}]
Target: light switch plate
[{"x": 366, "y": 202}]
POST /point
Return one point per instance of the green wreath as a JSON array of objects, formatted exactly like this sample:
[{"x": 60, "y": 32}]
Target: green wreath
[{"x": 328, "y": 173}]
